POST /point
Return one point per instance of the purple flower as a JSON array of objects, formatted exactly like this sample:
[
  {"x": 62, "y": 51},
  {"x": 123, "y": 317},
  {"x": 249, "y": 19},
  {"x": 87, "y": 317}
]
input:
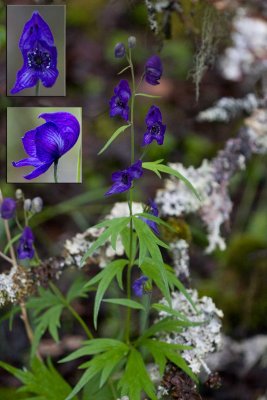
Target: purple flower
[
  {"x": 119, "y": 102},
  {"x": 48, "y": 142},
  {"x": 153, "y": 211},
  {"x": 25, "y": 247},
  {"x": 138, "y": 285},
  {"x": 39, "y": 55},
  {"x": 123, "y": 179},
  {"x": 119, "y": 50},
  {"x": 153, "y": 70},
  {"x": 155, "y": 129},
  {"x": 8, "y": 208}
]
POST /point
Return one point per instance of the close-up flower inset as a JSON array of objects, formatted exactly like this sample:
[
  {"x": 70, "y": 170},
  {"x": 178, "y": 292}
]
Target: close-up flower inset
[
  {"x": 45, "y": 145},
  {"x": 38, "y": 46}
]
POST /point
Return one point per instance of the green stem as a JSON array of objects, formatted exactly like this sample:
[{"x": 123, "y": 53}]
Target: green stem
[
  {"x": 71, "y": 309},
  {"x": 145, "y": 314},
  {"x": 129, "y": 270},
  {"x": 81, "y": 321},
  {"x": 55, "y": 171},
  {"x": 37, "y": 88}
]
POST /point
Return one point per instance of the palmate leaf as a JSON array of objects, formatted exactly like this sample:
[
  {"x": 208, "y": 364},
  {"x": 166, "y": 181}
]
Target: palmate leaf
[
  {"x": 50, "y": 321},
  {"x": 113, "y": 226},
  {"x": 113, "y": 137},
  {"x": 105, "y": 277},
  {"x": 135, "y": 379},
  {"x": 42, "y": 382},
  {"x": 48, "y": 308},
  {"x": 162, "y": 351},
  {"x": 157, "y": 167},
  {"x": 110, "y": 353}
]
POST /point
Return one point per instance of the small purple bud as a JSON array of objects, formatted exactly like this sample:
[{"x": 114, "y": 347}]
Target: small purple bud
[
  {"x": 119, "y": 50},
  {"x": 8, "y": 208},
  {"x": 131, "y": 42},
  {"x": 138, "y": 285}
]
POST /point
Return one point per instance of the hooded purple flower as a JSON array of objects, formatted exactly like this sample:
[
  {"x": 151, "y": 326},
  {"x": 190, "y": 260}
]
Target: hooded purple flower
[
  {"x": 153, "y": 211},
  {"x": 8, "y": 208},
  {"x": 39, "y": 55},
  {"x": 123, "y": 179},
  {"x": 153, "y": 70},
  {"x": 25, "y": 247},
  {"x": 138, "y": 285},
  {"x": 48, "y": 142},
  {"x": 155, "y": 129},
  {"x": 119, "y": 102}
]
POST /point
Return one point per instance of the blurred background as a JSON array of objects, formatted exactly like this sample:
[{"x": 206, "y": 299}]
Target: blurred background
[
  {"x": 17, "y": 16},
  {"x": 22, "y": 119},
  {"x": 235, "y": 278}
]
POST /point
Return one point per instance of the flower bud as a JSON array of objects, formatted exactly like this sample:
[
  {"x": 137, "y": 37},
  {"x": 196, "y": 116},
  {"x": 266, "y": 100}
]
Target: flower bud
[
  {"x": 131, "y": 42},
  {"x": 27, "y": 204},
  {"x": 119, "y": 50},
  {"x": 19, "y": 194},
  {"x": 8, "y": 208},
  {"x": 37, "y": 204}
]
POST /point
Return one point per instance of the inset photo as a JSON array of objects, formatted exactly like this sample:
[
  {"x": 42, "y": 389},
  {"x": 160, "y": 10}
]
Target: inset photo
[
  {"x": 36, "y": 50},
  {"x": 44, "y": 145}
]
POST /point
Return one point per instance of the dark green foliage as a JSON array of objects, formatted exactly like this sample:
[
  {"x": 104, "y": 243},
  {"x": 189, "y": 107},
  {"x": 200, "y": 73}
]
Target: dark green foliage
[{"x": 39, "y": 380}]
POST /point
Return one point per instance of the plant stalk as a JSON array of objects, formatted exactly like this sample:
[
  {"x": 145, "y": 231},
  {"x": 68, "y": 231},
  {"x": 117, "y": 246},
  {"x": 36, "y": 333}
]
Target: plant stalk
[
  {"x": 129, "y": 270},
  {"x": 55, "y": 171}
]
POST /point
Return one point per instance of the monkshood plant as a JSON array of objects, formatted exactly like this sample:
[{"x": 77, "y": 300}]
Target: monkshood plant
[
  {"x": 121, "y": 362},
  {"x": 39, "y": 56},
  {"x": 116, "y": 367},
  {"x": 47, "y": 143}
]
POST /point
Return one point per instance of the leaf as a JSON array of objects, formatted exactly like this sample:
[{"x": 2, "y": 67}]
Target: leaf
[
  {"x": 50, "y": 321},
  {"x": 111, "y": 228},
  {"x": 115, "y": 234},
  {"x": 164, "y": 325},
  {"x": 149, "y": 242},
  {"x": 157, "y": 167},
  {"x": 91, "y": 347},
  {"x": 125, "y": 238},
  {"x": 113, "y": 137},
  {"x": 77, "y": 290},
  {"x": 104, "y": 363},
  {"x": 42, "y": 382},
  {"x": 126, "y": 303},
  {"x": 110, "y": 272},
  {"x": 155, "y": 219},
  {"x": 12, "y": 241},
  {"x": 178, "y": 284},
  {"x": 152, "y": 96},
  {"x": 91, "y": 390},
  {"x": 162, "y": 351},
  {"x": 135, "y": 379},
  {"x": 171, "y": 311}
]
